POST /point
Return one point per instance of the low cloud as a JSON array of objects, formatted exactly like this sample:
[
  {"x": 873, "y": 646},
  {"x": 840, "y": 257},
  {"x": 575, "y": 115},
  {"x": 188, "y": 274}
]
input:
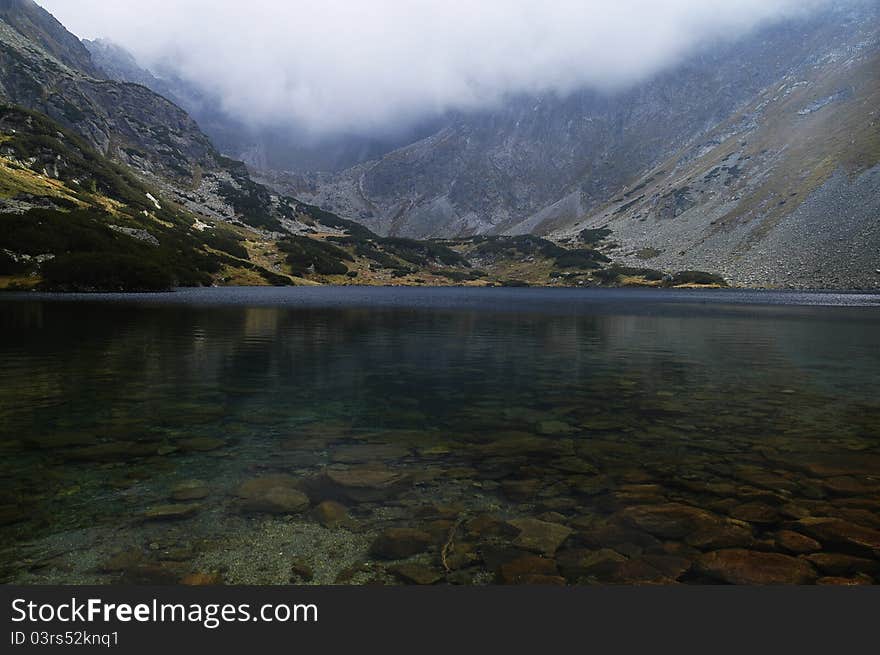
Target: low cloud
[{"x": 330, "y": 66}]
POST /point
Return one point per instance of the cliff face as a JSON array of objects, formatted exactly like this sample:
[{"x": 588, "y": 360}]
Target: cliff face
[
  {"x": 542, "y": 164},
  {"x": 45, "y": 68},
  {"x": 39, "y": 26}
]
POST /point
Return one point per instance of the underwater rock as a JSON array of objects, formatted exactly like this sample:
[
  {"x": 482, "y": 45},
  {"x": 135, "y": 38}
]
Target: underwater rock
[
  {"x": 172, "y": 512},
  {"x": 520, "y": 490},
  {"x": 111, "y": 452},
  {"x": 760, "y": 513},
  {"x": 638, "y": 572},
  {"x": 272, "y": 494},
  {"x": 150, "y": 573},
  {"x": 515, "y": 571},
  {"x": 398, "y": 543},
  {"x": 200, "y": 444},
  {"x": 857, "y": 581},
  {"x": 539, "y": 536},
  {"x": 202, "y": 580},
  {"x": 839, "y": 564},
  {"x": 669, "y": 565},
  {"x": 122, "y": 560},
  {"x": 837, "y": 532},
  {"x": 361, "y": 453},
  {"x": 796, "y": 543},
  {"x": 580, "y": 563},
  {"x": 672, "y": 521},
  {"x": 361, "y": 485},
  {"x": 300, "y": 569},
  {"x": 846, "y": 485},
  {"x": 331, "y": 514},
  {"x": 190, "y": 490},
  {"x": 10, "y": 514},
  {"x": 488, "y": 526},
  {"x": 728, "y": 533},
  {"x": 418, "y": 574},
  {"x": 749, "y": 567},
  {"x": 554, "y": 427}
]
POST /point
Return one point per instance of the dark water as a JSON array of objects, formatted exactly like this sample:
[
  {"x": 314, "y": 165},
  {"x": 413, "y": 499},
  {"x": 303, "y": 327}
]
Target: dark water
[{"x": 534, "y": 436}]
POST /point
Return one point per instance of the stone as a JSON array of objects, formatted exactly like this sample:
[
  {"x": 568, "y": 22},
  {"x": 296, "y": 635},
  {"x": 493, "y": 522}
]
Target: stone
[
  {"x": 672, "y": 521},
  {"x": 539, "y": 536},
  {"x": 300, "y": 569},
  {"x": 115, "y": 451},
  {"x": 844, "y": 464},
  {"x": 10, "y": 514},
  {"x": 749, "y": 567},
  {"x": 722, "y": 534},
  {"x": 555, "y": 427},
  {"x": 171, "y": 512},
  {"x": 522, "y": 443},
  {"x": 272, "y": 494},
  {"x": 579, "y": 563},
  {"x": 796, "y": 543},
  {"x": 360, "y": 453},
  {"x": 520, "y": 490},
  {"x": 834, "y": 532},
  {"x": 638, "y": 572},
  {"x": 839, "y": 564},
  {"x": 362, "y": 485},
  {"x": 857, "y": 581},
  {"x": 486, "y": 526},
  {"x": 122, "y": 561},
  {"x": 541, "y": 580},
  {"x": 759, "y": 513},
  {"x": 418, "y": 574},
  {"x": 399, "y": 543},
  {"x": 847, "y": 485},
  {"x": 530, "y": 565},
  {"x": 190, "y": 490},
  {"x": 200, "y": 444},
  {"x": 202, "y": 580},
  {"x": 671, "y": 566},
  {"x": 150, "y": 573},
  {"x": 331, "y": 514}
]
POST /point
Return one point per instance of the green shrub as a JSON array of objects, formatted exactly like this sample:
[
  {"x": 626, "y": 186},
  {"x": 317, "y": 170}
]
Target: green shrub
[
  {"x": 594, "y": 237},
  {"x": 105, "y": 272},
  {"x": 697, "y": 277},
  {"x": 583, "y": 258},
  {"x": 304, "y": 254}
]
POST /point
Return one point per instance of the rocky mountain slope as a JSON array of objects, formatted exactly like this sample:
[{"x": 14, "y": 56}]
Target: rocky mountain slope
[
  {"x": 785, "y": 193},
  {"x": 104, "y": 184},
  {"x": 799, "y": 94}
]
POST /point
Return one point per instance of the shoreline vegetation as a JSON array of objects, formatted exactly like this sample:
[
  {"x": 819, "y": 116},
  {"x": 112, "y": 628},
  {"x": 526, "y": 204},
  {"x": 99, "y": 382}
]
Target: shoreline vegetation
[{"x": 71, "y": 220}]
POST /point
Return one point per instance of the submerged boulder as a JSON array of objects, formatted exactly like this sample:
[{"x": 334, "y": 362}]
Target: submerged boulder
[
  {"x": 361, "y": 485},
  {"x": 749, "y": 567},
  {"x": 273, "y": 494},
  {"x": 399, "y": 543}
]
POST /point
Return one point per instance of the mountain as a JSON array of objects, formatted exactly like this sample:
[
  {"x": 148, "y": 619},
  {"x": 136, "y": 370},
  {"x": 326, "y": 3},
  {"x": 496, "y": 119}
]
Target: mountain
[
  {"x": 36, "y": 24},
  {"x": 259, "y": 147},
  {"x": 107, "y": 185},
  {"x": 799, "y": 94}
]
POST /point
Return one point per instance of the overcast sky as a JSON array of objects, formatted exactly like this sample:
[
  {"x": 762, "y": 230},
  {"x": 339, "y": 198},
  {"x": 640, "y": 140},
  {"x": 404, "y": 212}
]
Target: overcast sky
[{"x": 362, "y": 65}]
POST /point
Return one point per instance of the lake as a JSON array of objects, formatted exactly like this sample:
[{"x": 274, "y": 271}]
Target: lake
[{"x": 465, "y": 436}]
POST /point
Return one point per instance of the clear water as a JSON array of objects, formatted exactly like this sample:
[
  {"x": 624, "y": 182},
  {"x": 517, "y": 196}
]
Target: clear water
[{"x": 600, "y": 413}]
